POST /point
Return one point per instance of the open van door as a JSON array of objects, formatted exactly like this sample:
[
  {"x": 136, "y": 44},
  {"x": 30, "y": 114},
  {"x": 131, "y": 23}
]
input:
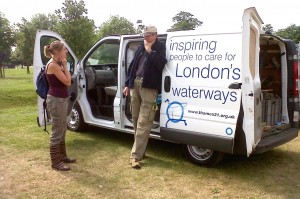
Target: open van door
[
  {"x": 251, "y": 86},
  {"x": 45, "y": 37}
]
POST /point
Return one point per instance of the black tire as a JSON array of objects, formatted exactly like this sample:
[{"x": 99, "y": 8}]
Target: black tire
[
  {"x": 203, "y": 157},
  {"x": 75, "y": 120}
]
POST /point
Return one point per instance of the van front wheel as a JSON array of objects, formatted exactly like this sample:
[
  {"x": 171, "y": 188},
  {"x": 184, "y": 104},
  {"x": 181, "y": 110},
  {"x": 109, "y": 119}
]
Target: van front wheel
[
  {"x": 203, "y": 157},
  {"x": 75, "y": 120}
]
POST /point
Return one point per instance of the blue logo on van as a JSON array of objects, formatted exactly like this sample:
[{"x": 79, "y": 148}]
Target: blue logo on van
[
  {"x": 175, "y": 106},
  {"x": 229, "y": 131}
]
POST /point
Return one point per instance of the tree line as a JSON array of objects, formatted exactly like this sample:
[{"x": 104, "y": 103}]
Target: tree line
[{"x": 72, "y": 23}]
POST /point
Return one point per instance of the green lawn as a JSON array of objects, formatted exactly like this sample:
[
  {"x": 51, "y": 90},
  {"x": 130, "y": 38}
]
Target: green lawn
[{"x": 103, "y": 169}]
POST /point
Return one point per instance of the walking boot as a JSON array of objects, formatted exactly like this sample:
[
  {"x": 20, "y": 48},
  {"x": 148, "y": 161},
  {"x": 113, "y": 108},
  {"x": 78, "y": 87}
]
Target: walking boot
[
  {"x": 135, "y": 163},
  {"x": 63, "y": 153},
  {"x": 56, "y": 159}
]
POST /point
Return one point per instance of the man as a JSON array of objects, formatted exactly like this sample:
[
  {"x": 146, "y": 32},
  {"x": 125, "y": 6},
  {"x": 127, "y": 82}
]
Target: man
[{"x": 144, "y": 83}]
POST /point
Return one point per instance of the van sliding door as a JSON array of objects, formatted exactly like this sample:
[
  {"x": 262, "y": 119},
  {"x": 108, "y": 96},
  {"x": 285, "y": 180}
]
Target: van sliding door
[{"x": 201, "y": 91}]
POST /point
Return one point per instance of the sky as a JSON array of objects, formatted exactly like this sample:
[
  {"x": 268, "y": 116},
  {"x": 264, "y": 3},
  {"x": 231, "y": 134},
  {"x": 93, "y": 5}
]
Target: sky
[{"x": 215, "y": 14}]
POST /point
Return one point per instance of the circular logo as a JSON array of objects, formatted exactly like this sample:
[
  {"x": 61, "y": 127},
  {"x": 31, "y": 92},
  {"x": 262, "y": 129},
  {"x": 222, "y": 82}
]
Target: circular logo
[
  {"x": 229, "y": 131},
  {"x": 174, "y": 105}
]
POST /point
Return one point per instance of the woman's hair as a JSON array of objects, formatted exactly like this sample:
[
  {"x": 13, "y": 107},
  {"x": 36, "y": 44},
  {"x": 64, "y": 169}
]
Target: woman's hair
[{"x": 51, "y": 48}]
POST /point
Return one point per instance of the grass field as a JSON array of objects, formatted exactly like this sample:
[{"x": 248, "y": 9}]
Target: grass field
[{"x": 103, "y": 169}]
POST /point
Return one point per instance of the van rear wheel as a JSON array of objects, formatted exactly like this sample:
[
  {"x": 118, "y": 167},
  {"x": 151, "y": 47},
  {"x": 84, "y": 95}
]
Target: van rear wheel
[
  {"x": 75, "y": 120},
  {"x": 203, "y": 157}
]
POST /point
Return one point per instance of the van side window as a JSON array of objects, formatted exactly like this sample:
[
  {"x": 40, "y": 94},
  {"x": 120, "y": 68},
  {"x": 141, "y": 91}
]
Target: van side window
[
  {"x": 45, "y": 40},
  {"x": 101, "y": 65},
  {"x": 105, "y": 53}
]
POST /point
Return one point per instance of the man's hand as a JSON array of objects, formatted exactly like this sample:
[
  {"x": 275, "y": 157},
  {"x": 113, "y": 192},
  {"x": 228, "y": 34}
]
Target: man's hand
[
  {"x": 126, "y": 91},
  {"x": 148, "y": 46}
]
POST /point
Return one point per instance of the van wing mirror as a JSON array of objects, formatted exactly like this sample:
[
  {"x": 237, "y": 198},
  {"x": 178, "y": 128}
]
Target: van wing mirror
[{"x": 235, "y": 85}]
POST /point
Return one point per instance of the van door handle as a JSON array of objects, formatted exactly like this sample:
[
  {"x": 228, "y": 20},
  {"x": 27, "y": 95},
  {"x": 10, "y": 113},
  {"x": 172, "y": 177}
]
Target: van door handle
[
  {"x": 235, "y": 85},
  {"x": 167, "y": 84}
]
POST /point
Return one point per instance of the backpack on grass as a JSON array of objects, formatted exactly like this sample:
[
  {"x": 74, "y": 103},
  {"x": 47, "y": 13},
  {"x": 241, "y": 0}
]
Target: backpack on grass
[{"x": 42, "y": 88}]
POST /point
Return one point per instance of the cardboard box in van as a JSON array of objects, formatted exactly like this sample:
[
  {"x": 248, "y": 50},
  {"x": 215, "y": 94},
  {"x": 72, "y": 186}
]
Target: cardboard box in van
[{"x": 222, "y": 92}]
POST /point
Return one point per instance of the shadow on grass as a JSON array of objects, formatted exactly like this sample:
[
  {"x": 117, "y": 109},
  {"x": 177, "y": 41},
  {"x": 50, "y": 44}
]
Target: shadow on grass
[
  {"x": 159, "y": 153},
  {"x": 174, "y": 150},
  {"x": 101, "y": 134},
  {"x": 275, "y": 171}
]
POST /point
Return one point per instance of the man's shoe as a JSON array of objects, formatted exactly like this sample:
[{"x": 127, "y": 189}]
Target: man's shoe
[{"x": 135, "y": 163}]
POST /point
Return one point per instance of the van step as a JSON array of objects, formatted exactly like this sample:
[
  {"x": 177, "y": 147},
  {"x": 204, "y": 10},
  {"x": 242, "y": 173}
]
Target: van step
[{"x": 274, "y": 140}]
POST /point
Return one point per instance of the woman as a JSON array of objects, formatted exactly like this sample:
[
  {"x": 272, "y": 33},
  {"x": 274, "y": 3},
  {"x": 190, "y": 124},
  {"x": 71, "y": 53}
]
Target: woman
[{"x": 59, "y": 80}]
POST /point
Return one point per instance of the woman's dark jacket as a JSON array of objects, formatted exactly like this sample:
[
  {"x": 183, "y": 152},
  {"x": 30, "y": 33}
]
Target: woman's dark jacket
[{"x": 154, "y": 64}]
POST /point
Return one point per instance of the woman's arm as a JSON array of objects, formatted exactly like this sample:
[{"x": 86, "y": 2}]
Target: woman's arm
[{"x": 61, "y": 72}]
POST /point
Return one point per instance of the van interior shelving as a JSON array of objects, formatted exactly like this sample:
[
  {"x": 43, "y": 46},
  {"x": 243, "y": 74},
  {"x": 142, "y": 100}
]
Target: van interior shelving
[{"x": 272, "y": 77}]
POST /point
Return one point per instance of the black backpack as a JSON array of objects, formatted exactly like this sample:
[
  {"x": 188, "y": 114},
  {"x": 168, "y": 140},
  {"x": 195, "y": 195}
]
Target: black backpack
[{"x": 42, "y": 88}]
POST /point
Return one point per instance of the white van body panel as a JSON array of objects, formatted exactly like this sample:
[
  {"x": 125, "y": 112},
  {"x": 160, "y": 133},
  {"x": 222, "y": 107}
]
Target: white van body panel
[{"x": 199, "y": 99}]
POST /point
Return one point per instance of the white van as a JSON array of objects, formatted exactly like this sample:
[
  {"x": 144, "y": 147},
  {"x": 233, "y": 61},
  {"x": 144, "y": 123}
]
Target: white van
[{"x": 222, "y": 92}]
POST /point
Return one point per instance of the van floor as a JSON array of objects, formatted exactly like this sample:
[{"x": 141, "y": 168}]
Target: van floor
[{"x": 269, "y": 130}]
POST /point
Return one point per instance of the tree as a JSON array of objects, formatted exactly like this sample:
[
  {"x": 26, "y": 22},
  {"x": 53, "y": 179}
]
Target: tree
[
  {"x": 291, "y": 32},
  {"x": 75, "y": 27},
  {"x": 25, "y": 36},
  {"x": 184, "y": 21},
  {"x": 268, "y": 28},
  {"x": 45, "y": 22},
  {"x": 116, "y": 25},
  {"x": 24, "y": 43},
  {"x": 6, "y": 42}
]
